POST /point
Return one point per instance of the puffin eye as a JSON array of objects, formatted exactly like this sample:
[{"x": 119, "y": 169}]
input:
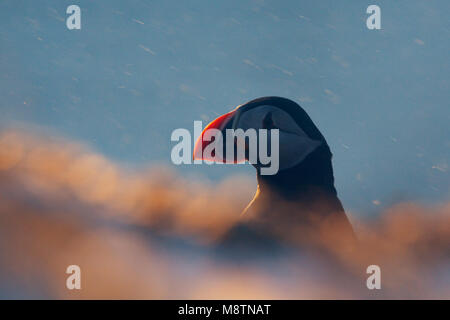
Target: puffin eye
[{"x": 267, "y": 122}]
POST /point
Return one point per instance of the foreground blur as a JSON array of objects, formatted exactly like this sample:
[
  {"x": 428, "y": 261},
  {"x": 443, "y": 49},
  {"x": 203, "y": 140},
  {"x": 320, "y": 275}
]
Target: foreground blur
[{"x": 150, "y": 233}]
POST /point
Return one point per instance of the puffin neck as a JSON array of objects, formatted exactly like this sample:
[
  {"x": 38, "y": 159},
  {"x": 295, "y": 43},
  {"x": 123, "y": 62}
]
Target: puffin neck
[{"x": 314, "y": 175}]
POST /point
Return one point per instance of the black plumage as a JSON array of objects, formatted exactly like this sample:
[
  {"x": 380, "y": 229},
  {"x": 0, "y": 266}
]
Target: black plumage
[{"x": 295, "y": 205}]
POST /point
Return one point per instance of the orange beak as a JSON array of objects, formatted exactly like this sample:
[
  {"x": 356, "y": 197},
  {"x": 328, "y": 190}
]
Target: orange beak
[{"x": 221, "y": 123}]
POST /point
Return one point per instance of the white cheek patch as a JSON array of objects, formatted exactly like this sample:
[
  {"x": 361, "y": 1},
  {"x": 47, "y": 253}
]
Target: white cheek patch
[
  {"x": 253, "y": 118},
  {"x": 294, "y": 148},
  {"x": 294, "y": 144}
]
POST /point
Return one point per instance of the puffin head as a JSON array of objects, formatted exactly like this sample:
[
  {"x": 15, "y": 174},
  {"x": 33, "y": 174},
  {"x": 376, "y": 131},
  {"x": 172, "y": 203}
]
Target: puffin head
[{"x": 303, "y": 157}]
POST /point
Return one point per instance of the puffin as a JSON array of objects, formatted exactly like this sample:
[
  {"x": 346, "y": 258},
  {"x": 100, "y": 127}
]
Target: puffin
[{"x": 298, "y": 205}]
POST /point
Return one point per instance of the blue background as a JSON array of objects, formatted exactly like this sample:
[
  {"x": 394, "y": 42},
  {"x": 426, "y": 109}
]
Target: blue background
[{"x": 137, "y": 70}]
